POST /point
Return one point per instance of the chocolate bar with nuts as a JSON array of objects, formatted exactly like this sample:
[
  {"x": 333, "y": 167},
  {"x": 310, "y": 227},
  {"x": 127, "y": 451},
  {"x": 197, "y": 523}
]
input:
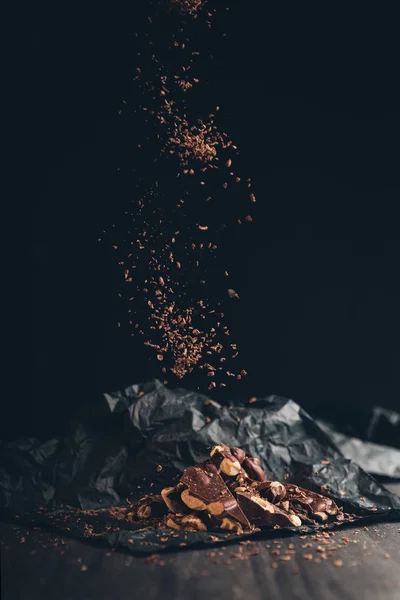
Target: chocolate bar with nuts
[
  {"x": 263, "y": 513},
  {"x": 274, "y": 491},
  {"x": 317, "y": 506},
  {"x": 231, "y": 491},
  {"x": 253, "y": 469},
  {"x": 205, "y": 490}
]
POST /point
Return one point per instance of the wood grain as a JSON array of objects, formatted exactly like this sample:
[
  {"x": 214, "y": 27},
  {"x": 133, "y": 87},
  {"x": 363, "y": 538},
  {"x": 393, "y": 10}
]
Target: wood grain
[{"x": 48, "y": 567}]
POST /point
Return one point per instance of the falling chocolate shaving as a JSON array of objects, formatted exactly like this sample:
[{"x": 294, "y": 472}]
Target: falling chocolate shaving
[{"x": 194, "y": 147}]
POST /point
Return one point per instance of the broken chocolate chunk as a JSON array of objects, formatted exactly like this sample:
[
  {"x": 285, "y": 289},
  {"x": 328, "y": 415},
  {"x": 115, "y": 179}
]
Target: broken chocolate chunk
[
  {"x": 263, "y": 513},
  {"x": 173, "y": 500},
  {"x": 254, "y": 470},
  {"x": 239, "y": 454},
  {"x": 191, "y": 501},
  {"x": 317, "y": 505},
  {"x": 205, "y": 484},
  {"x": 274, "y": 491},
  {"x": 225, "y": 461}
]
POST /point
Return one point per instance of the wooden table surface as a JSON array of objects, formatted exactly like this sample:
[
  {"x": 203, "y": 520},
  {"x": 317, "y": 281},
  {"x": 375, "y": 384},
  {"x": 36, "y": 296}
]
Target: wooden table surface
[{"x": 352, "y": 564}]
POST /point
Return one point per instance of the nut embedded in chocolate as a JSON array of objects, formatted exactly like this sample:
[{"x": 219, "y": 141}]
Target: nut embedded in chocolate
[
  {"x": 295, "y": 520},
  {"x": 254, "y": 470},
  {"x": 215, "y": 508},
  {"x": 230, "y": 467},
  {"x": 321, "y": 515},
  {"x": 263, "y": 513},
  {"x": 192, "y": 502},
  {"x": 274, "y": 491},
  {"x": 239, "y": 454},
  {"x": 225, "y": 461},
  {"x": 311, "y": 501},
  {"x": 240, "y": 488}
]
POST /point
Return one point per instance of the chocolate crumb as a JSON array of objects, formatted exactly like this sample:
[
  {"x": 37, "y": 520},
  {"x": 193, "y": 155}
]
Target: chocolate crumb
[{"x": 338, "y": 563}]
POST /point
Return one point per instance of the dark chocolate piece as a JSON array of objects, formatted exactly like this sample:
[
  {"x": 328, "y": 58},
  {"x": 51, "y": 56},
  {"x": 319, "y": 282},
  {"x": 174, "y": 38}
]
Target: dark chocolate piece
[
  {"x": 173, "y": 500},
  {"x": 254, "y": 470},
  {"x": 263, "y": 513},
  {"x": 239, "y": 454},
  {"x": 274, "y": 491},
  {"x": 317, "y": 505}
]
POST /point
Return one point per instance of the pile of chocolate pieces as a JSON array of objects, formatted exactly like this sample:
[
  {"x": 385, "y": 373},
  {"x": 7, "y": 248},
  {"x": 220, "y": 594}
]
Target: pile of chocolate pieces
[{"x": 230, "y": 491}]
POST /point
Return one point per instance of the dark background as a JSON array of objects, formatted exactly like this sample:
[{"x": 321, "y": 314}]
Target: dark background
[{"x": 310, "y": 100}]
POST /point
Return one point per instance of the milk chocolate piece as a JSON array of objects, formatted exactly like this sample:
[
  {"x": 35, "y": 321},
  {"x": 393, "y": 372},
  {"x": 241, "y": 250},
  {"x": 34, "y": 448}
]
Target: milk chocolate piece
[
  {"x": 205, "y": 483},
  {"x": 263, "y": 513}
]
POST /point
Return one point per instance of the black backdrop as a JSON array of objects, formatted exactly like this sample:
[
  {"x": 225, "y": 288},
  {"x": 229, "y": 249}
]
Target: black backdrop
[{"x": 318, "y": 276}]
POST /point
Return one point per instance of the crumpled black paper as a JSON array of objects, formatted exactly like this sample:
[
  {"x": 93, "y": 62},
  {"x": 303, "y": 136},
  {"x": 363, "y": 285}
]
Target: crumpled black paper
[
  {"x": 378, "y": 459},
  {"x": 113, "y": 452},
  {"x": 373, "y": 424}
]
